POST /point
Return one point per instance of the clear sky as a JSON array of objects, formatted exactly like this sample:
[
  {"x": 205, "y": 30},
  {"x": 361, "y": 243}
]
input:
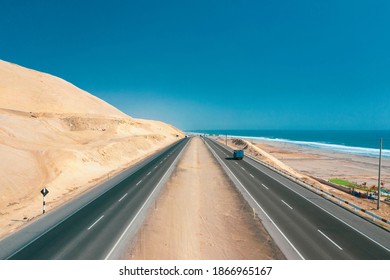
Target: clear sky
[{"x": 263, "y": 64}]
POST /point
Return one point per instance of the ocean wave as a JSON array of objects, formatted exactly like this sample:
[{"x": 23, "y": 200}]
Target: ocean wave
[{"x": 370, "y": 152}]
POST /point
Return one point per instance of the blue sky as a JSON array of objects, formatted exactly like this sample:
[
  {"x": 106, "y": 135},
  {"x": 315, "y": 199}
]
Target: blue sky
[{"x": 264, "y": 64}]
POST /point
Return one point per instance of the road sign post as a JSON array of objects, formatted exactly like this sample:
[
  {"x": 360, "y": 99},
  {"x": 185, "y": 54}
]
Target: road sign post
[
  {"x": 379, "y": 174},
  {"x": 44, "y": 192}
]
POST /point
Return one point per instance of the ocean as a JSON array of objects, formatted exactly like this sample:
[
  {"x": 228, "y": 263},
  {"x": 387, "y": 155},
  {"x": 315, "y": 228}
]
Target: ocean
[{"x": 360, "y": 142}]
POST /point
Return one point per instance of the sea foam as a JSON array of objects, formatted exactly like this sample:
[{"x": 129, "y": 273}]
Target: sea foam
[{"x": 370, "y": 152}]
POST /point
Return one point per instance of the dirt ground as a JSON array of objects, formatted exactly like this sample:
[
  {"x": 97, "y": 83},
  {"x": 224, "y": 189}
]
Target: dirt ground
[{"x": 201, "y": 216}]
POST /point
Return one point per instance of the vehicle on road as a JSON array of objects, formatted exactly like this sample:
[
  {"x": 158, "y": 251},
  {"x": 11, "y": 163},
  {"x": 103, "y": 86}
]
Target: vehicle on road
[{"x": 238, "y": 154}]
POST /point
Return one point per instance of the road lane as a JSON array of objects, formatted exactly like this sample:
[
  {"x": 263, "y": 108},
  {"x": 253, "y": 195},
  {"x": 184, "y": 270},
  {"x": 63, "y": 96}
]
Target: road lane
[
  {"x": 307, "y": 225},
  {"x": 92, "y": 231}
]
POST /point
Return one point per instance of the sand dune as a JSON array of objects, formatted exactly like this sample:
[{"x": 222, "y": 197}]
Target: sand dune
[
  {"x": 28, "y": 90},
  {"x": 56, "y": 135}
]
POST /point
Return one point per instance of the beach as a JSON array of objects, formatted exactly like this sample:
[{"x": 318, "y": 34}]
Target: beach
[
  {"x": 328, "y": 164},
  {"x": 309, "y": 163}
]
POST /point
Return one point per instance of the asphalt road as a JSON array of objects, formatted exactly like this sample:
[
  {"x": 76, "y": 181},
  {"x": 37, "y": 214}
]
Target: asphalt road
[
  {"x": 95, "y": 230},
  {"x": 313, "y": 226}
]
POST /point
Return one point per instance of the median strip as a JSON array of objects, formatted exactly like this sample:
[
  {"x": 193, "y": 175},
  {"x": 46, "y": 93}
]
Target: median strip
[
  {"x": 241, "y": 186},
  {"x": 144, "y": 205}
]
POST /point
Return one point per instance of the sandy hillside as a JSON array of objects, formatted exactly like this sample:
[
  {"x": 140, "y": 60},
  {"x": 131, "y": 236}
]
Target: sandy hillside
[
  {"x": 200, "y": 215},
  {"x": 56, "y": 135}
]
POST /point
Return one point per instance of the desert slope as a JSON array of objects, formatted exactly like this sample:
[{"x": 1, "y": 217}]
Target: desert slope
[
  {"x": 28, "y": 90},
  {"x": 56, "y": 135}
]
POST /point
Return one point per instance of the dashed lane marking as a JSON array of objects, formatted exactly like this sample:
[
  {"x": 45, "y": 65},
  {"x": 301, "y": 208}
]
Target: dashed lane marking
[
  {"x": 287, "y": 204},
  {"x": 91, "y": 226},
  {"x": 334, "y": 243},
  {"x": 122, "y": 197}
]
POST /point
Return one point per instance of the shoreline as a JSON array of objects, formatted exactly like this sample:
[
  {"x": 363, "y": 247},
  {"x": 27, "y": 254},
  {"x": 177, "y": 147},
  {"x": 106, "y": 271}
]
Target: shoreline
[
  {"x": 327, "y": 164},
  {"x": 323, "y": 144},
  {"x": 307, "y": 163}
]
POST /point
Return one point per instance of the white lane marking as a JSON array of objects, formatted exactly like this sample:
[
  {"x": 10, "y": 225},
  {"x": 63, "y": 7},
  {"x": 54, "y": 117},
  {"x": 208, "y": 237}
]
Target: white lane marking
[
  {"x": 143, "y": 205},
  {"x": 138, "y": 183},
  {"x": 122, "y": 197},
  {"x": 326, "y": 211},
  {"x": 258, "y": 205},
  {"x": 287, "y": 204},
  {"x": 150, "y": 172},
  {"x": 95, "y": 222},
  {"x": 155, "y": 166},
  {"x": 243, "y": 168},
  {"x": 265, "y": 186},
  {"x": 334, "y": 243},
  {"x": 161, "y": 162},
  {"x": 251, "y": 175},
  {"x": 235, "y": 162}
]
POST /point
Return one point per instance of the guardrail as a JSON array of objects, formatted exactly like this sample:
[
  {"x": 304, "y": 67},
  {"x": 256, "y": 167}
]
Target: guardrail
[{"x": 320, "y": 191}]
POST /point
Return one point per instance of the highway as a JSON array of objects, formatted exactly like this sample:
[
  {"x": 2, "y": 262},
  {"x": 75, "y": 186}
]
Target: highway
[
  {"x": 311, "y": 226},
  {"x": 96, "y": 229}
]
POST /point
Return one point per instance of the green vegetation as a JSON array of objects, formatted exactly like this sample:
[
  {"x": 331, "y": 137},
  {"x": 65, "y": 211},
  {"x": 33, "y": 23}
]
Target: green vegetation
[{"x": 343, "y": 182}]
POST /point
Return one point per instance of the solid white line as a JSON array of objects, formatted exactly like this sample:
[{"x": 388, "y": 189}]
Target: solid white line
[
  {"x": 265, "y": 213},
  {"x": 265, "y": 186},
  {"x": 287, "y": 204},
  {"x": 326, "y": 211},
  {"x": 334, "y": 243},
  {"x": 251, "y": 175},
  {"x": 138, "y": 183},
  {"x": 143, "y": 205},
  {"x": 95, "y": 222},
  {"x": 122, "y": 197}
]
